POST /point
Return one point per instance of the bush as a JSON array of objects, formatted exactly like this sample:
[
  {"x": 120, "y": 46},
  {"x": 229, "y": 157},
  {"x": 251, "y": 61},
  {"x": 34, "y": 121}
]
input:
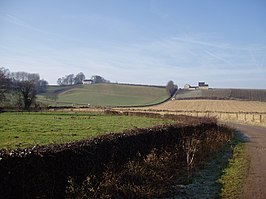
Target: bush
[{"x": 126, "y": 164}]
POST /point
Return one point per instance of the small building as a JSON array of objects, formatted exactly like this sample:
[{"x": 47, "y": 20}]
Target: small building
[
  {"x": 203, "y": 85},
  {"x": 87, "y": 81},
  {"x": 190, "y": 88}
]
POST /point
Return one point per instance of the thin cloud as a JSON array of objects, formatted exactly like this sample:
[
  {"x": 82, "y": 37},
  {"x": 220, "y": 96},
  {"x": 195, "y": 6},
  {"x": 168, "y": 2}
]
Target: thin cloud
[
  {"x": 151, "y": 63},
  {"x": 218, "y": 58},
  {"x": 19, "y": 22}
]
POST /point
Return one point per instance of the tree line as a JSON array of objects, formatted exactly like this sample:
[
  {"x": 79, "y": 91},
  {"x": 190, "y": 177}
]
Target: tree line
[
  {"x": 21, "y": 87},
  {"x": 72, "y": 79}
]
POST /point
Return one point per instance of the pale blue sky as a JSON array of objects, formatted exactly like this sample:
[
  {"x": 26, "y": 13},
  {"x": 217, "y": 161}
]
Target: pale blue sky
[{"x": 222, "y": 42}]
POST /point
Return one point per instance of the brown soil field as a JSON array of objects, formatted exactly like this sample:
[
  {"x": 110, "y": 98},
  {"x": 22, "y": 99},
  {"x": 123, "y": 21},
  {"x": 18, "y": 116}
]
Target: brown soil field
[
  {"x": 212, "y": 106},
  {"x": 244, "y": 112}
]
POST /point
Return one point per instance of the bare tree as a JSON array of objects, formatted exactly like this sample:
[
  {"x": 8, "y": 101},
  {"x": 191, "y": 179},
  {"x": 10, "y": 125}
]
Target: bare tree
[
  {"x": 67, "y": 80},
  {"x": 59, "y": 81},
  {"x": 70, "y": 79},
  {"x": 41, "y": 86},
  {"x": 4, "y": 82},
  {"x": 28, "y": 91},
  {"x": 25, "y": 84},
  {"x": 24, "y": 76},
  {"x": 191, "y": 145},
  {"x": 79, "y": 78}
]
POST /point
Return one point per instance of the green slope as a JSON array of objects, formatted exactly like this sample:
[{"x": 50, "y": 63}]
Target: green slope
[{"x": 105, "y": 95}]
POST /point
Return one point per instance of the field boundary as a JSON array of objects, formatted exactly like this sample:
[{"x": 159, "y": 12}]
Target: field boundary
[
  {"x": 44, "y": 171},
  {"x": 253, "y": 118}
]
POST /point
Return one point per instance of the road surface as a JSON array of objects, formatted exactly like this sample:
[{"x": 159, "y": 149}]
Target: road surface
[{"x": 255, "y": 186}]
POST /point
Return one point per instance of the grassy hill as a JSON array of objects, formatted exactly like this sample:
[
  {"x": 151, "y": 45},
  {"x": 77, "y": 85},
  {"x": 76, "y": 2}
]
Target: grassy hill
[
  {"x": 239, "y": 94},
  {"x": 105, "y": 95}
]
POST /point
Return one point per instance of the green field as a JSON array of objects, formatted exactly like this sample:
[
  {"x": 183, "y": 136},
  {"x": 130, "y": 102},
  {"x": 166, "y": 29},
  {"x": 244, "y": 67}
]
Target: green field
[
  {"x": 105, "y": 95},
  {"x": 19, "y": 130}
]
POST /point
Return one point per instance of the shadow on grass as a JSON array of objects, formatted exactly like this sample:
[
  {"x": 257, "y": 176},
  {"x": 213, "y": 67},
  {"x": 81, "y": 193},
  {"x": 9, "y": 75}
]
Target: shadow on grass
[
  {"x": 162, "y": 173},
  {"x": 219, "y": 176}
]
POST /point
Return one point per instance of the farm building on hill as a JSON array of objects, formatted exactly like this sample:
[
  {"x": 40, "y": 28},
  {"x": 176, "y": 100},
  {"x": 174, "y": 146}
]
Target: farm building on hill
[
  {"x": 191, "y": 88},
  {"x": 201, "y": 86},
  {"x": 87, "y": 81}
]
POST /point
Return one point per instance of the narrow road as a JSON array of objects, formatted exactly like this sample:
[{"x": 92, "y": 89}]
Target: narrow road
[{"x": 255, "y": 186}]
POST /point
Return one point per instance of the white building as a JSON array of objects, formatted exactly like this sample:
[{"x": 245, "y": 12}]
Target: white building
[
  {"x": 190, "y": 88},
  {"x": 201, "y": 86},
  {"x": 87, "y": 81}
]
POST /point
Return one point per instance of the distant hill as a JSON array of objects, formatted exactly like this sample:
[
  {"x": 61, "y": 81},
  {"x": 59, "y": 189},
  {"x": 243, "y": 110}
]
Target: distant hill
[
  {"x": 237, "y": 94},
  {"x": 105, "y": 95}
]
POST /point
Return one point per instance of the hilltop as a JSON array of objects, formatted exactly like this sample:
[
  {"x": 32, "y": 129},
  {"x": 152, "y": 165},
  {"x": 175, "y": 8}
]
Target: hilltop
[{"x": 104, "y": 95}]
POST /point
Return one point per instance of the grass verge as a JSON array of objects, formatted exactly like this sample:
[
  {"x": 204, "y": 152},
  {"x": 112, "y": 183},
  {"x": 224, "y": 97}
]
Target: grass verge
[
  {"x": 235, "y": 173},
  {"x": 161, "y": 173},
  {"x": 221, "y": 176}
]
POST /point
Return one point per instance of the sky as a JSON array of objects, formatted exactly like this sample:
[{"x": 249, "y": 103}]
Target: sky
[{"x": 221, "y": 42}]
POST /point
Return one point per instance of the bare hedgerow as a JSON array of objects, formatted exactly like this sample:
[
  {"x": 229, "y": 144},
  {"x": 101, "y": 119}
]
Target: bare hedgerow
[{"x": 153, "y": 176}]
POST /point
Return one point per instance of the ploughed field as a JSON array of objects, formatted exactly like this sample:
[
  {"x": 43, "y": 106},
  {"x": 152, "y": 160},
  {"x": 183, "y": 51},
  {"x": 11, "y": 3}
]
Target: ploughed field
[
  {"x": 237, "y": 94},
  {"x": 19, "y": 130},
  {"x": 212, "y": 105}
]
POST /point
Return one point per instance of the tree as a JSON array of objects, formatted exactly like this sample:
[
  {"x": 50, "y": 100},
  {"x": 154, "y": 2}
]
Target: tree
[
  {"x": 59, "y": 81},
  {"x": 98, "y": 79},
  {"x": 70, "y": 79},
  {"x": 25, "y": 84},
  {"x": 171, "y": 88},
  {"x": 41, "y": 86},
  {"x": 27, "y": 89},
  {"x": 24, "y": 76},
  {"x": 4, "y": 83},
  {"x": 67, "y": 80},
  {"x": 79, "y": 78}
]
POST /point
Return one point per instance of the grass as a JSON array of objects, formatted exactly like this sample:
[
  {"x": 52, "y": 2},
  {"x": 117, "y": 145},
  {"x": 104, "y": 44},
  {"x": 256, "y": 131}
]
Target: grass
[
  {"x": 106, "y": 95},
  {"x": 19, "y": 130},
  {"x": 161, "y": 173},
  {"x": 221, "y": 176},
  {"x": 204, "y": 182},
  {"x": 235, "y": 173}
]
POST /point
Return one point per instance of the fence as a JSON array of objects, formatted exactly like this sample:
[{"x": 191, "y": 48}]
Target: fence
[{"x": 253, "y": 118}]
